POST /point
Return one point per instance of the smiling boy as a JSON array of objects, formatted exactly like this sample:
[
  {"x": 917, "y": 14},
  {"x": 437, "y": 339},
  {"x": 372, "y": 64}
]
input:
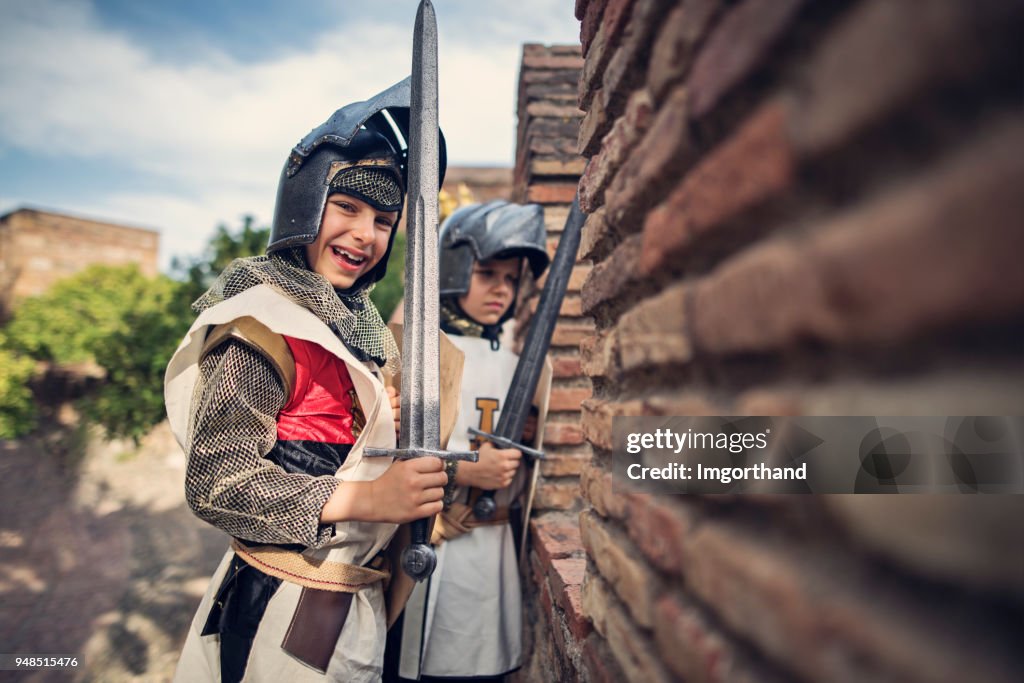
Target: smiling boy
[{"x": 273, "y": 394}]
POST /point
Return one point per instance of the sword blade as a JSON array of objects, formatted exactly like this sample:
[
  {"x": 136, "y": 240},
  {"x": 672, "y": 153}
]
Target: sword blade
[
  {"x": 420, "y": 375},
  {"x": 542, "y": 326}
]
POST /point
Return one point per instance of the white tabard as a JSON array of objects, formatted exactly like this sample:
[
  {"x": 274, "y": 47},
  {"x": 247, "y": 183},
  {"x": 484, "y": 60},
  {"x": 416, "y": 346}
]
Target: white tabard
[{"x": 474, "y": 603}]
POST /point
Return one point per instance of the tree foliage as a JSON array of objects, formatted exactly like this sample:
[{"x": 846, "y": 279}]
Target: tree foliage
[
  {"x": 77, "y": 315},
  {"x": 389, "y": 290},
  {"x": 130, "y": 401},
  {"x": 17, "y": 410},
  {"x": 225, "y": 246}
]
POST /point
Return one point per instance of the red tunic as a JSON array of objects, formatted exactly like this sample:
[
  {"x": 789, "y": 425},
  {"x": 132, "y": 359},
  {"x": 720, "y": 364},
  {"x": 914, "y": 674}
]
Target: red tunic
[{"x": 320, "y": 407}]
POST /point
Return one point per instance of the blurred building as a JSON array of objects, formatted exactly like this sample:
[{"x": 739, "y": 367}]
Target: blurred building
[{"x": 38, "y": 248}]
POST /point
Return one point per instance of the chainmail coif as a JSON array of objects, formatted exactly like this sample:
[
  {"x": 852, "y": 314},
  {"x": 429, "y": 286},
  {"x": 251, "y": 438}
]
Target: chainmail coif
[{"x": 350, "y": 315}]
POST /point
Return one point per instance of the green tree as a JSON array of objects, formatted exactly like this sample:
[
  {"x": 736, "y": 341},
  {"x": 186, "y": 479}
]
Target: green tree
[
  {"x": 76, "y": 315},
  {"x": 225, "y": 246},
  {"x": 17, "y": 410},
  {"x": 389, "y": 291},
  {"x": 130, "y": 401}
]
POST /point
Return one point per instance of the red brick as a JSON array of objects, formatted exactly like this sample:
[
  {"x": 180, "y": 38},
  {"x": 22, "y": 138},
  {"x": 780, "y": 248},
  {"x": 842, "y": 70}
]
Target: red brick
[
  {"x": 761, "y": 587},
  {"x": 654, "y": 332},
  {"x": 659, "y": 528},
  {"x": 567, "y": 399},
  {"x": 884, "y": 55},
  {"x": 754, "y": 164},
  {"x": 557, "y": 496},
  {"x": 592, "y": 129},
  {"x": 596, "y": 418},
  {"x": 566, "y": 366},
  {"x": 571, "y": 306},
  {"x": 663, "y": 154},
  {"x": 576, "y": 279},
  {"x": 678, "y": 40},
  {"x": 571, "y": 335},
  {"x": 590, "y": 22},
  {"x": 614, "y": 147},
  {"x": 596, "y": 485},
  {"x": 942, "y": 251},
  {"x": 554, "y": 219},
  {"x": 605, "y": 43},
  {"x": 546, "y": 600},
  {"x": 581, "y": 8},
  {"x": 562, "y": 434},
  {"x": 552, "y": 62},
  {"x": 947, "y": 391},
  {"x": 599, "y": 355},
  {"x": 623, "y": 71},
  {"x": 564, "y": 574},
  {"x": 596, "y": 237},
  {"x": 633, "y": 651},
  {"x": 553, "y": 193},
  {"x": 736, "y": 48},
  {"x": 612, "y": 276},
  {"x": 632, "y": 580},
  {"x": 599, "y": 663},
  {"x": 564, "y": 111},
  {"x": 555, "y": 537},
  {"x": 579, "y": 625},
  {"x": 682, "y": 404},
  {"x": 556, "y": 167},
  {"x": 596, "y": 596},
  {"x": 967, "y": 539},
  {"x": 709, "y": 656},
  {"x": 564, "y": 464}
]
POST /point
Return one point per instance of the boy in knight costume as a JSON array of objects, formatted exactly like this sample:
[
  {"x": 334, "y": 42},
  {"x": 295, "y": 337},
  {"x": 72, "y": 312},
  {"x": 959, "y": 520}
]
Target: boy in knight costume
[
  {"x": 275, "y": 392},
  {"x": 466, "y": 621}
]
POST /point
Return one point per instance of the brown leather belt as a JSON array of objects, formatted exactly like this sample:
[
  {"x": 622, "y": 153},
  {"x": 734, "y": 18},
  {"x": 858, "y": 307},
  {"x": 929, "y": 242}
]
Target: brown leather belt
[
  {"x": 458, "y": 520},
  {"x": 327, "y": 589}
]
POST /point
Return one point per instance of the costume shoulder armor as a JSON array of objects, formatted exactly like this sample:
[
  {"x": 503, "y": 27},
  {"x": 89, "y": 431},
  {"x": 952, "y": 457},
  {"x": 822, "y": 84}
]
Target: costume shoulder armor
[{"x": 260, "y": 338}]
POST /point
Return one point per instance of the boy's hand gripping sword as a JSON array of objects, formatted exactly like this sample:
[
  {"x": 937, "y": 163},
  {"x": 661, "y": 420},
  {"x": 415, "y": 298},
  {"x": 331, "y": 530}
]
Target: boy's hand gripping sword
[
  {"x": 531, "y": 361},
  {"x": 420, "y": 433}
]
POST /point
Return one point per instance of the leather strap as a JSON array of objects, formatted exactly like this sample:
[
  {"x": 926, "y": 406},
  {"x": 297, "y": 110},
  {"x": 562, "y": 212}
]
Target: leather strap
[
  {"x": 297, "y": 568},
  {"x": 259, "y": 337},
  {"x": 458, "y": 520}
]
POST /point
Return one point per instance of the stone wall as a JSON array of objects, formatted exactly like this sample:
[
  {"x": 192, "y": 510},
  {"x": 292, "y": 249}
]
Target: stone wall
[
  {"x": 795, "y": 207},
  {"x": 37, "y": 248}
]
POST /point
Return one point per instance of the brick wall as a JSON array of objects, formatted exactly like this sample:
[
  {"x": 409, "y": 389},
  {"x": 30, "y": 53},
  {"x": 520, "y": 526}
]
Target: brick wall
[
  {"x": 547, "y": 172},
  {"x": 39, "y": 248},
  {"x": 795, "y": 207}
]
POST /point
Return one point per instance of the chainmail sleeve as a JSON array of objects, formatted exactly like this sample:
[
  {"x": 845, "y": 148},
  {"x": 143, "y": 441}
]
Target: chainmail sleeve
[{"x": 228, "y": 482}]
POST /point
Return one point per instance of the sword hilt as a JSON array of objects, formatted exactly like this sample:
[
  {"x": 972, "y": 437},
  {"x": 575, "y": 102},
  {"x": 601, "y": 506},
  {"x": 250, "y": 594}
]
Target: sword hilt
[
  {"x": 418, "y": 558},
  {"x": 485, "y": 506},
  {"x": 503, "y": 442}
]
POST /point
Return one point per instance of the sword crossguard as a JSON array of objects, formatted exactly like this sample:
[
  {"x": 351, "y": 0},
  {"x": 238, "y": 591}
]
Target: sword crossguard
[
  {"x": 502, "y": 442},
  {"x": 411, "y": 453},
  {"x": 419, "y": 559}
]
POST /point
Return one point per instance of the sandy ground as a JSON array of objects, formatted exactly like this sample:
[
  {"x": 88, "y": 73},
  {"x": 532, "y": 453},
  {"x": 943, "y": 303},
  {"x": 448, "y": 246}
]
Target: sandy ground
[{"x": 100, "y": 557}]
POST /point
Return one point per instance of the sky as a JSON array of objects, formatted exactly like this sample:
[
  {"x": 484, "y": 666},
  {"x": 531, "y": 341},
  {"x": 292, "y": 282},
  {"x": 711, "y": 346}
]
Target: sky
[{"x": 178, "y": 115}]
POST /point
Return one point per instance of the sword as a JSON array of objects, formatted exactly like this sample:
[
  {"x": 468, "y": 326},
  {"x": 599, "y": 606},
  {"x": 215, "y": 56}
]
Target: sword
[
  {"x": 531, "y": 361},
  {"x": 420, "y": 433}
]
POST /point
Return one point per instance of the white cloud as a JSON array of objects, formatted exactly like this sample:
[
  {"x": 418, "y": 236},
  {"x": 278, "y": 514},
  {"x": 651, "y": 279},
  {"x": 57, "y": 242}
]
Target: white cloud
[{"x": 218, "y": 132}]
